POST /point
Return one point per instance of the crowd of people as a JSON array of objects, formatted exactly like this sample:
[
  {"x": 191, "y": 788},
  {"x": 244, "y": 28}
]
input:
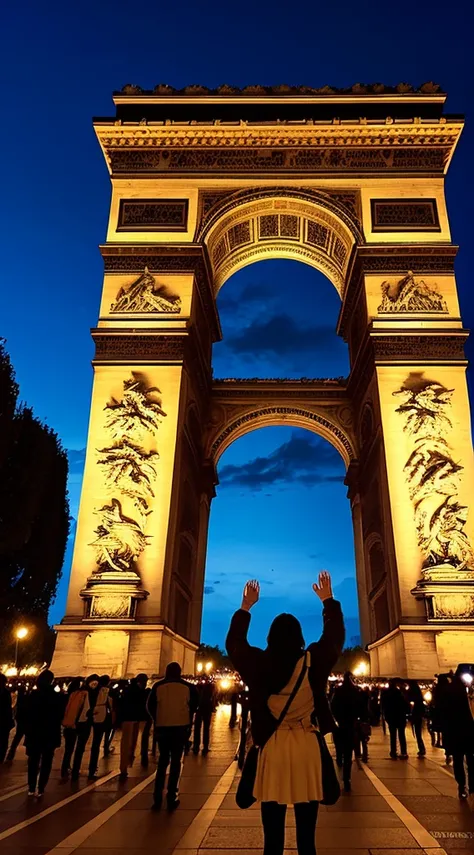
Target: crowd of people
[
  {"x": 283, "y": 701},
  {"x": 173, "y": 716}
]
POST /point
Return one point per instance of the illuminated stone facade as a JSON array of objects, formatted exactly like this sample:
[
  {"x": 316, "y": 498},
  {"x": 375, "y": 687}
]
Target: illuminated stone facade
[{"x": 204, "y": 183}]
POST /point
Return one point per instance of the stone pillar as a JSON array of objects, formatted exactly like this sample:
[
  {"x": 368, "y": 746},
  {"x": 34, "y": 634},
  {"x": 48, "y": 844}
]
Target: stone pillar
[{"x": 361, "y": 571}]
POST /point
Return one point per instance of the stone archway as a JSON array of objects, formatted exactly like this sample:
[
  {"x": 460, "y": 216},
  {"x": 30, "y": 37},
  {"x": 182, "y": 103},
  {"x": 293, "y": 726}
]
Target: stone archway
[
  {"x": 305, "y": 225},
  {"x": 204, "y": 183}
]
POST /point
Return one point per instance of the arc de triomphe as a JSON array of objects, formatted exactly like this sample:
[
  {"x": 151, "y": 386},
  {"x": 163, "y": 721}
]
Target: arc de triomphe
[{"x": 203, "y": 183}]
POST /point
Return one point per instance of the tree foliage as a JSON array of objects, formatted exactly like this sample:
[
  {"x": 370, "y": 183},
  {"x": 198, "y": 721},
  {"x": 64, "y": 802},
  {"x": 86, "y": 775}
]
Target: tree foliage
[
  {"x": 209, "y": 653},
  {"x": 34, "y": 511}
]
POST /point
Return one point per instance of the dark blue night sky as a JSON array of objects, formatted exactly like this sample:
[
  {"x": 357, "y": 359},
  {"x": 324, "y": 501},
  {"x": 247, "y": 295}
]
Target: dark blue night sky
[{"x": 281, "y": 512}]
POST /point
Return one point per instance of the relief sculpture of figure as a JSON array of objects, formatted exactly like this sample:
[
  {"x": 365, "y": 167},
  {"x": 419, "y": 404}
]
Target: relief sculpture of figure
[
  {"x": 407, "y": 295},
  {"x": 143, "y": 296},
  {"x": 129, "y": 467},
  {"x": 434, "y": 477},
  {"x": 136, "y": 413},
  {"x": 119, "y": 541}
]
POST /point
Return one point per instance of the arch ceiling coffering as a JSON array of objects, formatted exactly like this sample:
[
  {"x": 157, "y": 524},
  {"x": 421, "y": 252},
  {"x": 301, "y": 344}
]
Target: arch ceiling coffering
[{"x": 280, "y": 225}]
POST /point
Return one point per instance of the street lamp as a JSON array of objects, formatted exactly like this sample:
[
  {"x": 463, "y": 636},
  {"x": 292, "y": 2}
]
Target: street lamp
[
  {"x": 20, "y": 634},
  {"x": 208, "y": 667}
]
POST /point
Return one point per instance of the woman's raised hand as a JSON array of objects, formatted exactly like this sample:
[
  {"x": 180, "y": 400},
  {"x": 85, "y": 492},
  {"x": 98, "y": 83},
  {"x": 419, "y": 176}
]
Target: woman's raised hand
[
  {"x": 323, "y": 587},
  {"x": 250, "y": 595}
]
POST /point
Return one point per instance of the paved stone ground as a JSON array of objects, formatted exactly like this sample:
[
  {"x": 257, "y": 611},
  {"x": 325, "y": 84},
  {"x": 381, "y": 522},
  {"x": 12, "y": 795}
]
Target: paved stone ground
[{"x": 395, "y": 808}]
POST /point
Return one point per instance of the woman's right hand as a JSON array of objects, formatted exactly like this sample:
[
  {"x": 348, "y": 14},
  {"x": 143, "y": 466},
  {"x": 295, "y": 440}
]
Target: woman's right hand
[
  {"x": 250, "y": 595},
  {"x": 323, "y": 587}
]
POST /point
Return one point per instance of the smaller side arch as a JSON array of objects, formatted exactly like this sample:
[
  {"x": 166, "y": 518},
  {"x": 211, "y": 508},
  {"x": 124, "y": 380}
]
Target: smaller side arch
[{"x": 281, "y": 416}]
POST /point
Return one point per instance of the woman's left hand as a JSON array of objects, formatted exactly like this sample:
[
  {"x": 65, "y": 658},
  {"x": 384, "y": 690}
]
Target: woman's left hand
[{"x": 251, "y": 595}]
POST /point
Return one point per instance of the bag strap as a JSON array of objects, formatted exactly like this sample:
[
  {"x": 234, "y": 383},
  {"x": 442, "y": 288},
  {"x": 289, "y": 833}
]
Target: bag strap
[{"x": 293, "y": 694}]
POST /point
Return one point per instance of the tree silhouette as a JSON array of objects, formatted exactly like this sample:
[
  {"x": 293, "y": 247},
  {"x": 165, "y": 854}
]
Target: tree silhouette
[{"x": 34, "y": 514}]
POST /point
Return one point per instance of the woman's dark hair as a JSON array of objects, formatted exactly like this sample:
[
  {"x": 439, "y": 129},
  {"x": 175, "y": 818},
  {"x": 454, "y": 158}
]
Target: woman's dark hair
[{"x": 285, "y": 646}]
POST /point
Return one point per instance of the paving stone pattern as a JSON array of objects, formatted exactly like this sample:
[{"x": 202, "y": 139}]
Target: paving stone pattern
[{"x": 208, "y": 821}]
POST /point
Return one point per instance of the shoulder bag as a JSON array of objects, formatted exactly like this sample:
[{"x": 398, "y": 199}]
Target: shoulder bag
[{"x": 244, "y": 796}]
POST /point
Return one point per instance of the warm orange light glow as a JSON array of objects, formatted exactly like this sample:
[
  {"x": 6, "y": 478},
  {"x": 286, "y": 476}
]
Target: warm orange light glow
[{"x": 22, "y": 632}]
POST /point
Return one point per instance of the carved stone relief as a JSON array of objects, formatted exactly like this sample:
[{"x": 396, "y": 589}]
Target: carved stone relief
[
  {"x": 408, "y": 295},
  {"x": 143, "y": 296},
  {"x": 130, "y": 471},
  {"x": 433, "y": 476}
]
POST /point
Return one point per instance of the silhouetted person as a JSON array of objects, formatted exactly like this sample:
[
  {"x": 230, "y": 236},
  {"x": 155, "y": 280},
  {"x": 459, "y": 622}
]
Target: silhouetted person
[
  {"x": 395, "y": 709},
  {"x": 459, "y": 730},
  {"x": 133, "y": 714},
  {"x": 202, "y": 720},
  {"x": 171, "y": 704},
  {"x": 289, "y": 768},
  {"x": 100, "y": 714},
  {"x": 6, "y": 716},
  {"x": 234, "y": 698},
  {"x": 438, "y": 714},
  {"x": 374, "y": 706},
  {"x": 348, "y": 706},
  {"x": 43, "y": 731},
  {"x": 84, "y": 723},
  {"x": 415, "y": 699},
  {"x": 244, "y": 719},
  {"x": 76, "y": 697}
]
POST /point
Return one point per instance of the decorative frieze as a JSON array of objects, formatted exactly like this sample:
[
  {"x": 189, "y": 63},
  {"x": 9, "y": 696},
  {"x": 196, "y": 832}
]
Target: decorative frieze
[
  {"x": 404, "y": 215},
  {"x": 153, "y": 215}
]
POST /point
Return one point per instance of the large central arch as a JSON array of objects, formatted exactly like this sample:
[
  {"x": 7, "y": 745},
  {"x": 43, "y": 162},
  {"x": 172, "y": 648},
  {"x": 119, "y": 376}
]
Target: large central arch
[
  {"x": 204, "y": 183},
  {"x": 280, "y": 223}
]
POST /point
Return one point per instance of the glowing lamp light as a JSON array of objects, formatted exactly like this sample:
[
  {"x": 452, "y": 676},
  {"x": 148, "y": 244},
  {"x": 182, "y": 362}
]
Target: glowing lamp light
[
  {"x": 225, "y": 684},
  {"x": 199, "y": 668},
  {"x": 208, "y": 667},
  {"x": 11, "y": 672},
  {"x": 467, "y": 679},
  {"x": 22, "y": 632},
  {"x": 427, "y": 696},
  {"x": 57, "y": 688},
  {"x": 361, "y": 669}
]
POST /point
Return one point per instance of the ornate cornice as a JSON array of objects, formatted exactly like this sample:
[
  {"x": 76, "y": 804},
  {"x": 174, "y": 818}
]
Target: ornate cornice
[
  {"x": 127, "y": 347},
  {"x": 282, "y": 90},
  {"x": 304, "y": 388},
  {"x": 416, "y": 145},
  {"x": 419, "y": 348}
]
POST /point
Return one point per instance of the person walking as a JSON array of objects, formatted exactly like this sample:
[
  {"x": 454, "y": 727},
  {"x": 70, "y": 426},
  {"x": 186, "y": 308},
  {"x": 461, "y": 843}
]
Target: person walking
[
  {"x": 42, "y": 732},
  {"x": 289, "y": 768},
  {"x": 19, "y": 715},
  {"x": 76, "y": 698},
  {"x": 202, "y": 719},
  {"x": 84, "y": 723},
  {"x": 458, "y": 731},
  {"x": 347, "y": 708},
  {"x": 395, "y": 710},
  {"x": 415, "y": 699},
  {"x": 133, "y": 715},
  {"x": 171, "y": 705},
  {"x": 6, "y": 716},
  {"x": 102, "y": 710}
]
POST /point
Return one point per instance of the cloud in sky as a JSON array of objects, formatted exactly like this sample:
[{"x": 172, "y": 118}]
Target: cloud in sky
[
  {"x": 280, "y": 335},
  {"x": 304, "y": 459}
]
